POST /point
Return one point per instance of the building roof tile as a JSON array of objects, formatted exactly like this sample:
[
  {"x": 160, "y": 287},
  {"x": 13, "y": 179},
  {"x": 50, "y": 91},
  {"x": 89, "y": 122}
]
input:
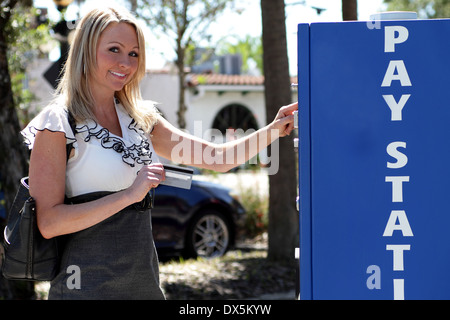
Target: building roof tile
[{"x": 194, "y": 80}]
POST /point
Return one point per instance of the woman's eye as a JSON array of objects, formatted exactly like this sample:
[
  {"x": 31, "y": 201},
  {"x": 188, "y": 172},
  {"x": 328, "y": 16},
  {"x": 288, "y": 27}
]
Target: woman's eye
[{"x": 131, "y": 54}]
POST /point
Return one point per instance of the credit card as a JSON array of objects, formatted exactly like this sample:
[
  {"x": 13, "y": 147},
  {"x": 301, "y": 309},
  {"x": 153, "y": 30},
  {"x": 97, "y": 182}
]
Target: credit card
[{"x": 180, "y": 177}]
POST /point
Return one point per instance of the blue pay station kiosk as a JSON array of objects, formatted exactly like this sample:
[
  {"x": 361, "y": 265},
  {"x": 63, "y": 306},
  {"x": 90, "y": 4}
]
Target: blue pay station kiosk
[{"x": 374, "y": 159}]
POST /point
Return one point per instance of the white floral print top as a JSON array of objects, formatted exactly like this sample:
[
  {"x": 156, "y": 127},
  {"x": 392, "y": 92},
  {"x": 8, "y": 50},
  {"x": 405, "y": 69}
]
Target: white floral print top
[{"x": 102, "y": 160}]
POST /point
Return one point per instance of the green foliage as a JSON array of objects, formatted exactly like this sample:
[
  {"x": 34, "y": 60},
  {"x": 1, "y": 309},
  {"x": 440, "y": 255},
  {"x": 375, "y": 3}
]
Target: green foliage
[
  {"x": 25, "y": 38},
  {"x": 250, "y": 48},
  {"x": 256, "y": 206},
  {"x": 431, "y": 9},
  {"x": 186, "y": 22}
]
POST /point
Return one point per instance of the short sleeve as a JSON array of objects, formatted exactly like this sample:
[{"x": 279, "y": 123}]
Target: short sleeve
[{"x": 53, "y": 118}]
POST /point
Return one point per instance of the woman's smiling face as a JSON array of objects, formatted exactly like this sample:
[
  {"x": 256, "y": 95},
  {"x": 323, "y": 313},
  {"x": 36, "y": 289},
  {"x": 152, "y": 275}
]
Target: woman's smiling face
[{"x": 117, "y": 58}]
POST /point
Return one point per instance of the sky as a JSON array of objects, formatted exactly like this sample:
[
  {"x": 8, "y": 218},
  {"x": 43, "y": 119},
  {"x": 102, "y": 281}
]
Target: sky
[{"x": 159, "y": 49}]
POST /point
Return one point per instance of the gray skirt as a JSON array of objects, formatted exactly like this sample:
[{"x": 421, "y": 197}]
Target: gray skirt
[{"x": 114, "y": 259}]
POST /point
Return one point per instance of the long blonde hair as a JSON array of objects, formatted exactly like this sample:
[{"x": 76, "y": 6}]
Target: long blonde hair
[{"x": 74, "y": 86}]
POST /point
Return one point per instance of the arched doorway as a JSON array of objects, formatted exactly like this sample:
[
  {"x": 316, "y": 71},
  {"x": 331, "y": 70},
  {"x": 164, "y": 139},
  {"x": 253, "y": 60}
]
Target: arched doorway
[
  {"x": 234, "y": 116},
  {"x": 233, "y": 122}
]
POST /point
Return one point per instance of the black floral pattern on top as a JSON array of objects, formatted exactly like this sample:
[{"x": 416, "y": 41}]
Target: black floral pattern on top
[
  {"x": 135, "y": 154},
  {"x": 135, "y": 147}
]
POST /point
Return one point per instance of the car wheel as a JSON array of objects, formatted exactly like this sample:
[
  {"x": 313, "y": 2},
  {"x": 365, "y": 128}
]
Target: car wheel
[{"x": 209, "y": 235}]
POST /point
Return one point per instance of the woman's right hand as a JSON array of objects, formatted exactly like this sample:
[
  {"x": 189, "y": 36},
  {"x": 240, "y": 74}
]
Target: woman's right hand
[{"x": 150, "y": 176}]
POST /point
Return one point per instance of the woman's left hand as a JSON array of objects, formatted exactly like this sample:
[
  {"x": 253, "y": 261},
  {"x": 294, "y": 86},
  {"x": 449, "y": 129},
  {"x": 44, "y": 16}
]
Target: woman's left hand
[{"x": 284, "y": 121}]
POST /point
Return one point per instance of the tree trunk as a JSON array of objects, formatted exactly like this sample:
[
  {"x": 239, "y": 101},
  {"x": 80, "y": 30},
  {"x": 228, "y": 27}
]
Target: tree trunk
[
  {"x": 181, "y": 113},
  {"x": 13, "y": 155},
  {"x": 283, "y": 216},
  {"x": 349, "y": 10}
]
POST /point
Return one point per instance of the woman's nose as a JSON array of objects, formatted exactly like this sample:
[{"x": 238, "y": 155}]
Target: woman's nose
[{"x": 125, "y": 62}]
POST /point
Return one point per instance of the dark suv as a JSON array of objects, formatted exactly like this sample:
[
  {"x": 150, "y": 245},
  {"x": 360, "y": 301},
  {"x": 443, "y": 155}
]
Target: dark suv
[{"x": 203, "y": 221}]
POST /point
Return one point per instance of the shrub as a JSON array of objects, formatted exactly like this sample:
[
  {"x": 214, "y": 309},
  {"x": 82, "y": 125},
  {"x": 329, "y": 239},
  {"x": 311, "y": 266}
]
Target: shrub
[{"x": 256, "y": 206}]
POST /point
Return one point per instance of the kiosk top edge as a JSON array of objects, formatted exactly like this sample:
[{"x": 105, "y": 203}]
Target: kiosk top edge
[{"x": 394, "y": 15}]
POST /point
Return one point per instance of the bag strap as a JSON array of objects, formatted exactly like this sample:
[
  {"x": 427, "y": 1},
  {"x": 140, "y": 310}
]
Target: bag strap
[{"x": 72, "y": 124}]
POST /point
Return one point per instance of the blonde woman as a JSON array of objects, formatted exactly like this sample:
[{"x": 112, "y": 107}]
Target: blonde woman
[{"x": 92, "y": 200}]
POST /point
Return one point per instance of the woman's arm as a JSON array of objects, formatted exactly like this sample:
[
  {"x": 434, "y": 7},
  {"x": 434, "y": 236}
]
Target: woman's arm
[
  {"x": 178, "y": 146},
  {"x": 47, "y": 186}
]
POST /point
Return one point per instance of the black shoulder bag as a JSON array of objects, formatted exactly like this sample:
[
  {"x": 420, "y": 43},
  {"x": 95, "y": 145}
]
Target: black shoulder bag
[{"x": 27, "y": 254}]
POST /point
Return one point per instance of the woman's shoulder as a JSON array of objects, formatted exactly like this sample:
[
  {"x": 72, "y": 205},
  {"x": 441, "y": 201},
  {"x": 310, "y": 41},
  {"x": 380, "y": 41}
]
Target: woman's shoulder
[{"x": 54, "y": 118}]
